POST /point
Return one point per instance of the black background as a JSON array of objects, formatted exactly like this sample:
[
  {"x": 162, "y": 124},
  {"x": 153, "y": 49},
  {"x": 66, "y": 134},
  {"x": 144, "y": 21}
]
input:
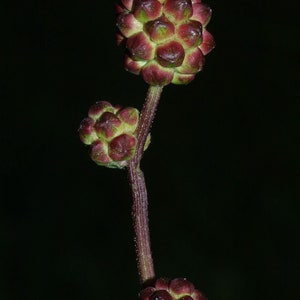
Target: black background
[{"x": 221, "y": 168}]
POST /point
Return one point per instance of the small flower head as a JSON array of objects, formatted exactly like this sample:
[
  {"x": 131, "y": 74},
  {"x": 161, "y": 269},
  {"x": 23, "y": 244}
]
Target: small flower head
[
  {"x": 166, "y": 40},
  {"x": 110, "y": 133},
  {"x": 175, "y": 289}
]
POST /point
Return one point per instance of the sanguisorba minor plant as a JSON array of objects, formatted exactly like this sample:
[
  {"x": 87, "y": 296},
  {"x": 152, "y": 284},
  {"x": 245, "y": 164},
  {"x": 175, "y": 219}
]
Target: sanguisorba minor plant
[{"x": 165, "y": 42}]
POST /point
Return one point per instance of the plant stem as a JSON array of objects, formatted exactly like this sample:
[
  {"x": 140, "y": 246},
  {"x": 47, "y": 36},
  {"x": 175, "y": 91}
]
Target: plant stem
[{"x": 138, "y": 186}]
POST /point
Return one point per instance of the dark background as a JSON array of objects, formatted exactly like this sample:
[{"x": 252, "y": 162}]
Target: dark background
[{"x": 221, "y": 168}]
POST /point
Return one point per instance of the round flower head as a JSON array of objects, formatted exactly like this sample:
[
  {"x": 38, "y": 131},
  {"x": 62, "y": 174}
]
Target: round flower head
[
  {"x": 165, "y": 40},
  {"x": 109, "y": 131},
  {"x": 175, "y": 289}
]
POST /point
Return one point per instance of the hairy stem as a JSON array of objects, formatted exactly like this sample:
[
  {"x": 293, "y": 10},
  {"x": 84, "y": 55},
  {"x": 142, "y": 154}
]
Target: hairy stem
[{"x": 139, "y": 191}]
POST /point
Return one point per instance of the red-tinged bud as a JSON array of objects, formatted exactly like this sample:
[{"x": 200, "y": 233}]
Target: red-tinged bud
[
  {"x": 108, "y": 126},
  {"x": 99, "y": 153},
  {"x": 130, "y": 116},
  {"x": 176, "y": 289},
  {"x": 120, "y": 39},
  {"x": 151, "y": 26},
  {"x": 133, "y": 66},
  {"x": 208, "y": 42},
  {"x": 201, "y": 13},
  {"x": 181, "y": 286},
  {"x": 179, "y": 78},
  {"x": 178, "y": 10},
  {"x": 140, "y": 47},
  {"x": 197, "y": 295},
  {"x": 128, "y": 24},
  {"x": 193, "y": 62},
  {"x": 170, "y": 55},
  {"x": 86, "y": 131},
  {"x": 122, "y": 147},
  {"x": 154, "y": 74},
  {"x": 99, "y": 108},
  {"x": 119, "y": 9},
  {"x": 147, "y": 292},
  {"x": 127, "y": 3},
  {"x": 147, "y": 10},
  {"x": 190, "y": 34},
  {"x": 162, "y": 283},
  {"x": 160, "y": 29}
]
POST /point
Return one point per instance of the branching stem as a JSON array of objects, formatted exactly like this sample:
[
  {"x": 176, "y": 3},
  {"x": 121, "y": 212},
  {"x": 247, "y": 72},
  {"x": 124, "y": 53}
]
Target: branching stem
[{"x": 138, "y": 186}]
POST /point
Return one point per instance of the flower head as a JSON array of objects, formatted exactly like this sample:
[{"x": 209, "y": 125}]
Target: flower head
[
  {"x": 110, "y": 132},
  {"x": 175, "y": 289},
  {"x": 165, "y": 40}
]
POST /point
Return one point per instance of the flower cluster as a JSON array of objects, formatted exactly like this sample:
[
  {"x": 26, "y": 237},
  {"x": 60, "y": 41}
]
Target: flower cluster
[
  {"x": 175, "y": 289},
  {"x": 166, "y": 40},
  {"x": 110, "y": 131}
]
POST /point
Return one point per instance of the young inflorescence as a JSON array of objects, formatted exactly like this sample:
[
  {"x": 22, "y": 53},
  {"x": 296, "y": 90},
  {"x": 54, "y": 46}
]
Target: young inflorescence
[{"x": 166, "y": 42}]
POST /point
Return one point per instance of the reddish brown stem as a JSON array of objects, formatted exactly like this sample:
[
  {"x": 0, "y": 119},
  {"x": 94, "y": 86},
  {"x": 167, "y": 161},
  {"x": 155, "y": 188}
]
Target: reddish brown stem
[{"x": 139, "y": 191}]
